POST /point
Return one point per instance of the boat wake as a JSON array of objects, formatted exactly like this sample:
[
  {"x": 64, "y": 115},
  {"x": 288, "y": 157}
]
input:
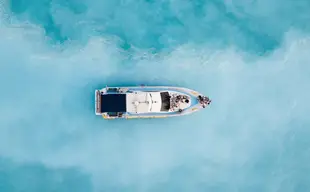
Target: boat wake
[{"x": 254, "y": 65}]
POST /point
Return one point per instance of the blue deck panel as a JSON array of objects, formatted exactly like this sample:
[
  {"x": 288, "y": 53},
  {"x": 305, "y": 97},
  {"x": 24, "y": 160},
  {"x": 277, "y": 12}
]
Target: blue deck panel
[{"x": 113, "y": 103}]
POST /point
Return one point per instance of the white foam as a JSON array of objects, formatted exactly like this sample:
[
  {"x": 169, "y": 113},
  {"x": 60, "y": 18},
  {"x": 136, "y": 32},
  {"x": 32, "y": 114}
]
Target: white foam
[{"x": 47, "y": 94}]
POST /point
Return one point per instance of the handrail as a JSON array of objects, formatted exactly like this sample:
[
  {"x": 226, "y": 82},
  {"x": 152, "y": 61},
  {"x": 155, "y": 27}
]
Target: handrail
[{"x": 98, "y": 102}]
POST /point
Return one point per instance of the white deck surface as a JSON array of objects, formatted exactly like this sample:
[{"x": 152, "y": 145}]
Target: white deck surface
[{"x": 143, "y": 102}]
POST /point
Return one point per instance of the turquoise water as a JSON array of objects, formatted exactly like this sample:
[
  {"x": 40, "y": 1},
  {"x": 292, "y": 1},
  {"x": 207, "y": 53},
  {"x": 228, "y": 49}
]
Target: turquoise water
[{"x": 251, "y": 57}]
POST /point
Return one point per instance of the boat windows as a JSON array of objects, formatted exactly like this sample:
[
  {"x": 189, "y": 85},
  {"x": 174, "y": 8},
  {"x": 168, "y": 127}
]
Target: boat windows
[{"x": 165, "y": 101}]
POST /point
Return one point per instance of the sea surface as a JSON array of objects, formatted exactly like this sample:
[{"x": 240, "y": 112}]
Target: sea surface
[{"x": 251, "y": 57}]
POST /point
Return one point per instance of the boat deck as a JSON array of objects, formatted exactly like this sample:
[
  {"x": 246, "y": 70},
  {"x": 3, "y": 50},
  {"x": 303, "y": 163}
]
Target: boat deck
[{"x": 146, "y": 102}]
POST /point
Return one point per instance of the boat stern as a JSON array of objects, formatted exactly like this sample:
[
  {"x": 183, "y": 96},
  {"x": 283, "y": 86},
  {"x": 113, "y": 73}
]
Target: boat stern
[{"x": 98, "y": 102}]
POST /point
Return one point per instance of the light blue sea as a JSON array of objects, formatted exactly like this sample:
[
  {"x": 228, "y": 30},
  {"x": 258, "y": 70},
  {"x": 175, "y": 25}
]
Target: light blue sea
[{"x": 251, "y": 57}]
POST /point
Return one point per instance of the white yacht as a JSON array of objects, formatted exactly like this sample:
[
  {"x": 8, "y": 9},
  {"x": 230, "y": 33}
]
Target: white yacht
[{"x": 147, "y": 102}]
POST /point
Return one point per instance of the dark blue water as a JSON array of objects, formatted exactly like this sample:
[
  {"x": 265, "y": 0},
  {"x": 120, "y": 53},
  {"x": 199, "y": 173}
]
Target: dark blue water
[{"x": 251, "y": 57}]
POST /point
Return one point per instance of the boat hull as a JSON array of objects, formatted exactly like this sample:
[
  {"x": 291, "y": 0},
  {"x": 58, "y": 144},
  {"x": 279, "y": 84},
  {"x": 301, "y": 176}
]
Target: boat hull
[{"x": 103, "y": 103}]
